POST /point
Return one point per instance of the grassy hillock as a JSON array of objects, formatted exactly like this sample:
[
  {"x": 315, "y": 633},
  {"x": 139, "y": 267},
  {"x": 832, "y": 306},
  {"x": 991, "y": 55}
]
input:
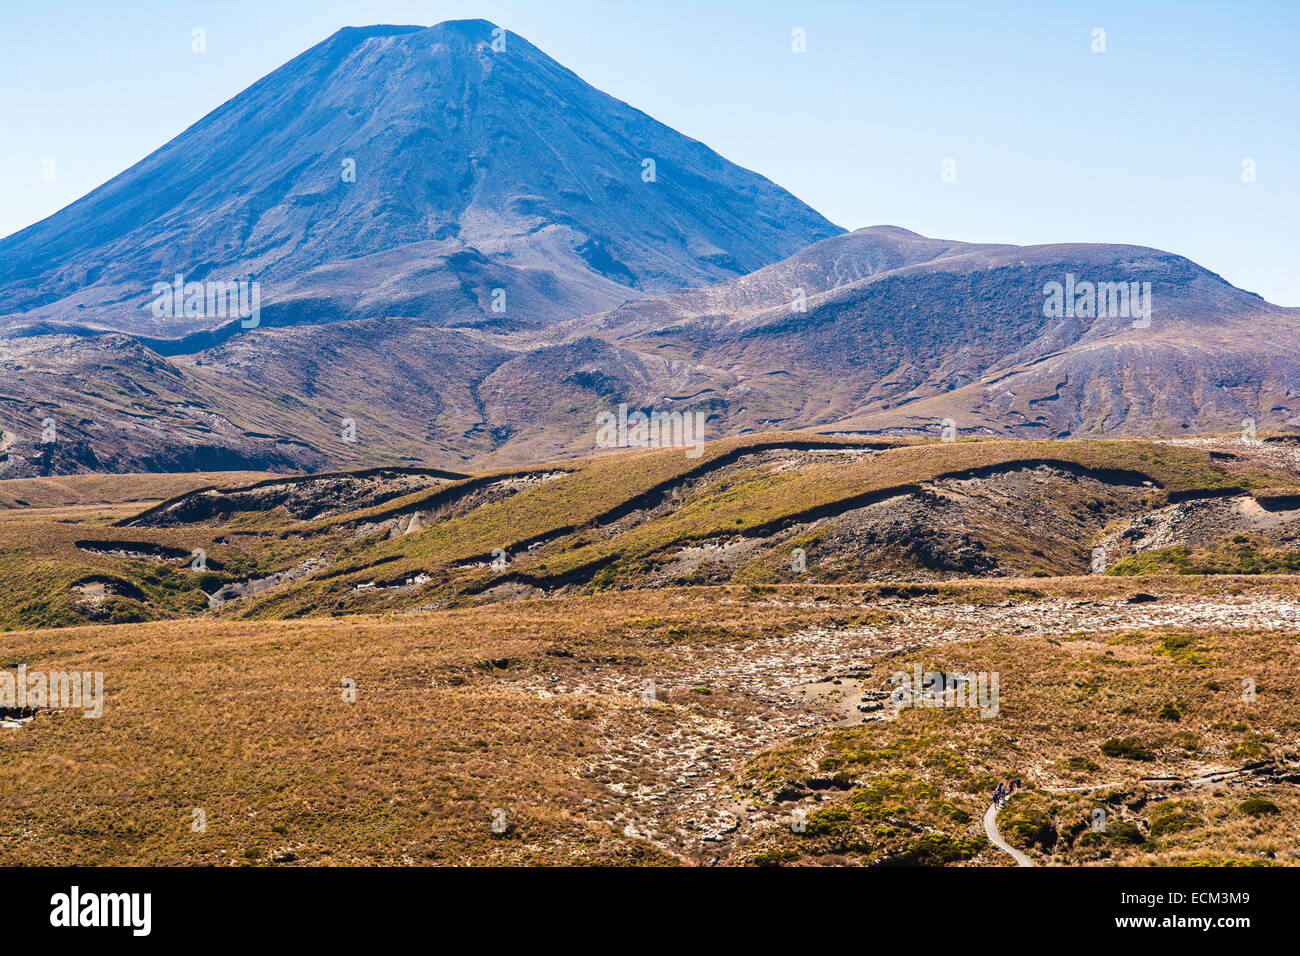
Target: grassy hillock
[{"x": 634, "y": 519}]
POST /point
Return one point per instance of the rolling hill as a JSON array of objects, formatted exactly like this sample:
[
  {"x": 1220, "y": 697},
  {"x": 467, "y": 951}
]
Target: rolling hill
[{"x": 880, "y": 331}]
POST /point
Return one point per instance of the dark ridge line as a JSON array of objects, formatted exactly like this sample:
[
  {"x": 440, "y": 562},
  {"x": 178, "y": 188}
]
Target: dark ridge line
[
  {"x": 385, "y": 584},
  {"x": 655, "y": 492},
  {"x": 290, "y": 480},
  {"x": 454, "y": 492},
  {"x": 547, "y": 582},
  {"x": 126, "y": 588},
  {"x": 1120, "y": 476},
  {"x": 361, "y": 473},
  {"x": 722, "y": 461},
  {"x": 143, "y": 547},
  {"x": 1287, "y": 502},
  {"x": 613, "y": 514},
  {"x": 1198, "y": 494},
  {"x": 520, "y": 546},
  {"x": 473, "y": 483},
  {"x": 328, "y": 573}
]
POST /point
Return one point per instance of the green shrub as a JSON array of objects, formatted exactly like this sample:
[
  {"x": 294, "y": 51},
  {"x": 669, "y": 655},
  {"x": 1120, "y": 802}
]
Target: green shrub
[
  {"x": 776, "y": 857},
  {"x": 828, "y": 820},
  {"x": 1257, "y": 807},
  {"x": 939, "y": 849},
  {"x": 1029, "y": 826},
  {"x": 1081, "y": 763},
  {"x": 1127, "y": 748},
  {"x": 1252, "y": 746},
  {"x": 956, "y": 813},
  {"x": 1124, "y": 831},
  {"x": 1174, "y": 820}
]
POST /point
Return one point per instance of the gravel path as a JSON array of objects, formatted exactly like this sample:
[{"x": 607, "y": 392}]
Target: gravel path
[{"x": 991, "y": 828}]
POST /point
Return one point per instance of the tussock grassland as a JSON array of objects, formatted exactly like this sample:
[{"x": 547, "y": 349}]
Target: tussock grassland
[
  {"x": 647, "y": 677},
  {"x": 538, "y": 708},
  {"x": 1139, "y": 725},
  {"x": 612, "y": 521},
  {"x": 64, "y": 490},
  {"x": 615, "y": 519}
]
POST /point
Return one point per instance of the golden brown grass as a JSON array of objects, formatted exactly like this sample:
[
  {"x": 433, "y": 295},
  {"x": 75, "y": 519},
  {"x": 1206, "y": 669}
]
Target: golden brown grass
[
  {"x": 1090, "y": 715},
  {"x": 453, "y": 719},
  {"x": 60, "y": 490}
]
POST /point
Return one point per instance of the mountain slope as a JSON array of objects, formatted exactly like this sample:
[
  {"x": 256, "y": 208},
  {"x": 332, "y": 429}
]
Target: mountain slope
[
  {"x": 897, "y": 333},
  {"x": 488, "y": 177},
  {"x": 474, "y": 169},
  {"x": 892, "y": 330}
]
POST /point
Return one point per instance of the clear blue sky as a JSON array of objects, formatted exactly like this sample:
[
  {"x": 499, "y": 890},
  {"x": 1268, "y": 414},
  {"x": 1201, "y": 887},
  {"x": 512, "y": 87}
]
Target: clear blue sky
[{"x": 1143, "y": 143}]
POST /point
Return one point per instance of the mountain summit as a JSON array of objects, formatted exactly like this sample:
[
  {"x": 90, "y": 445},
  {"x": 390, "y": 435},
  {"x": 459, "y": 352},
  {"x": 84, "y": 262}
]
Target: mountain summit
[{"x": 404, "y": 171}]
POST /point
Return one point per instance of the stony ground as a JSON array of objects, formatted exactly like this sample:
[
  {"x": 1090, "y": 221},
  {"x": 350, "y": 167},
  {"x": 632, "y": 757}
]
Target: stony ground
[
  {"x": 616, "y": 727},
  {"x": 678, "y": 788}
]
